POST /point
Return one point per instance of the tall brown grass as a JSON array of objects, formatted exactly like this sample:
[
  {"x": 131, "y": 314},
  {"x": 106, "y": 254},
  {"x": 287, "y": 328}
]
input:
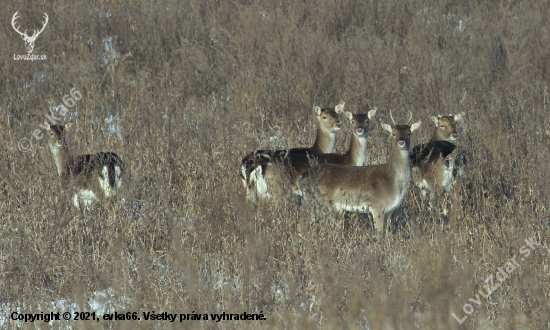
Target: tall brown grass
[{"x": 193, "y": 86}]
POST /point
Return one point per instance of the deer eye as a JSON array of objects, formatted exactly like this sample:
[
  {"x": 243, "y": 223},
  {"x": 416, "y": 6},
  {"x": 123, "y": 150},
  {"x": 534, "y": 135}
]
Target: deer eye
[
  {"x": 324, "y": 117},
  {"x": 441, "y": 125}
]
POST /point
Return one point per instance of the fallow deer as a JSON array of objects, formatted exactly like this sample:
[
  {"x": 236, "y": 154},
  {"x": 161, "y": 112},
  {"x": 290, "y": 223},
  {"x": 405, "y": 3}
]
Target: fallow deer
[
  {"x": 96, "y": 177},
  {"x": 259, "y": 168},
  {"x": 375, "y": 189},
  {"x": 357, "y": 152},
  {"x": 355, "y": 156},
  {"x": 438, "y": 162}
]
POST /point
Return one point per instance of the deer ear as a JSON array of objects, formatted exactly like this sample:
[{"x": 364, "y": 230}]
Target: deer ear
[
  {"x": 348, "y": 115},
  {"x": 415, "y": 126},
  {"x": 459, "y": 116},
  {"x": 435, "y": 120},
  {"x": 372, "y": 113},
  {"x": 340, "y": 107},
  {"x": 387, "y": 128},
  {"x": 317, "y": 110}
]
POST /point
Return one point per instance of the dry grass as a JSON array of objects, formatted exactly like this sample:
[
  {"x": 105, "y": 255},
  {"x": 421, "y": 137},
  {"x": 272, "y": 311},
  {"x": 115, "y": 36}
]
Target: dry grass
[{"x": 194, "y": 86}]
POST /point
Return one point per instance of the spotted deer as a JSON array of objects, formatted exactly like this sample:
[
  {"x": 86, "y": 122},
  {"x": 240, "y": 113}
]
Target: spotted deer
[
  {"x": 438, "y": 162},
  {"x": 96, "y": 177},
  {"x": 268, "y": 172},
  {"x": 375, "y": 189}
]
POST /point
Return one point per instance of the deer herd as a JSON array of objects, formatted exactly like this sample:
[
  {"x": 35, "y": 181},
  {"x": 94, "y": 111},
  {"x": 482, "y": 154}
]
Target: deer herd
[
  {"x": 337, "y": 182},
  {"x": 343, "y": 182}
]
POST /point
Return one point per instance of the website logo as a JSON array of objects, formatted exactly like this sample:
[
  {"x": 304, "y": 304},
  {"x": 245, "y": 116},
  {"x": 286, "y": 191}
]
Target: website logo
[{"x": 29, "y": 40}]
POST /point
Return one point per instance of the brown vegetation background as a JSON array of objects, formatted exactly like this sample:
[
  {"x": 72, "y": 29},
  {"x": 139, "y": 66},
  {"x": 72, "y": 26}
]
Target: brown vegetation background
[{"x": 193, "y": 86}]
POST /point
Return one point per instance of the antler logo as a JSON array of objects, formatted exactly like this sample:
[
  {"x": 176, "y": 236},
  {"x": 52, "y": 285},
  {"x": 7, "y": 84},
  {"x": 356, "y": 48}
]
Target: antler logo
[{"x": 29, "y": 40}]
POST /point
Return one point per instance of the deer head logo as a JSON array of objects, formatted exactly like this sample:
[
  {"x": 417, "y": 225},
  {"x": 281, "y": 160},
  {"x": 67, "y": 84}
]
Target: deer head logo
[{"x": 29, "y": 40}]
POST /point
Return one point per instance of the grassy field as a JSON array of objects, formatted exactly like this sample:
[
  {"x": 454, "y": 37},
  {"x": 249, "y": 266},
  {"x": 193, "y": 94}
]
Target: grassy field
[{"x": 182, "y": 91}]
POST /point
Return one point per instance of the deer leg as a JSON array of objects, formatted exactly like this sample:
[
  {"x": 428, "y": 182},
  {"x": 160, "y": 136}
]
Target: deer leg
[
  {"x": 379, "y": 219},
  {"x": 77, "y": 204},
  {"x": 387, "y": 220},
  {"x": 445, "y": 203},
  {"x": 342, "y": 218}
]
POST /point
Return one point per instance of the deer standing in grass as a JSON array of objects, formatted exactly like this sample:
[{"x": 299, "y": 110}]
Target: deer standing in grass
[
  {"x": 375, "y": 189},
  {"x": 261, "y": 171},
  {"x": 355, "y": 156},
  {"x": 96, "y": 177},
  {"x": 439, "y": 163},
  {"x": 357, "y": 152}
]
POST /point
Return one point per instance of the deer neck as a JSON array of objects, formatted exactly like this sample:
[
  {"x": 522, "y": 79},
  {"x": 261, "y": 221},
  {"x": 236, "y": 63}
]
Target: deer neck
[
  {"x": 324, "y": 142},
  {"x": 399, "y": 167},
  {"x": 357, "y": 152},
  {"x": 437, "y": 136},
  {"x": 62, "y": 160}
]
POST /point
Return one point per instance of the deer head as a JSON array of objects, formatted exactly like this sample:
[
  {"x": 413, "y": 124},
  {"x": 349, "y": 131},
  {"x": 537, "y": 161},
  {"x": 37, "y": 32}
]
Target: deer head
[
  {"x": 29, "y": 40},
  {"x": 445, "y": 127}
]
